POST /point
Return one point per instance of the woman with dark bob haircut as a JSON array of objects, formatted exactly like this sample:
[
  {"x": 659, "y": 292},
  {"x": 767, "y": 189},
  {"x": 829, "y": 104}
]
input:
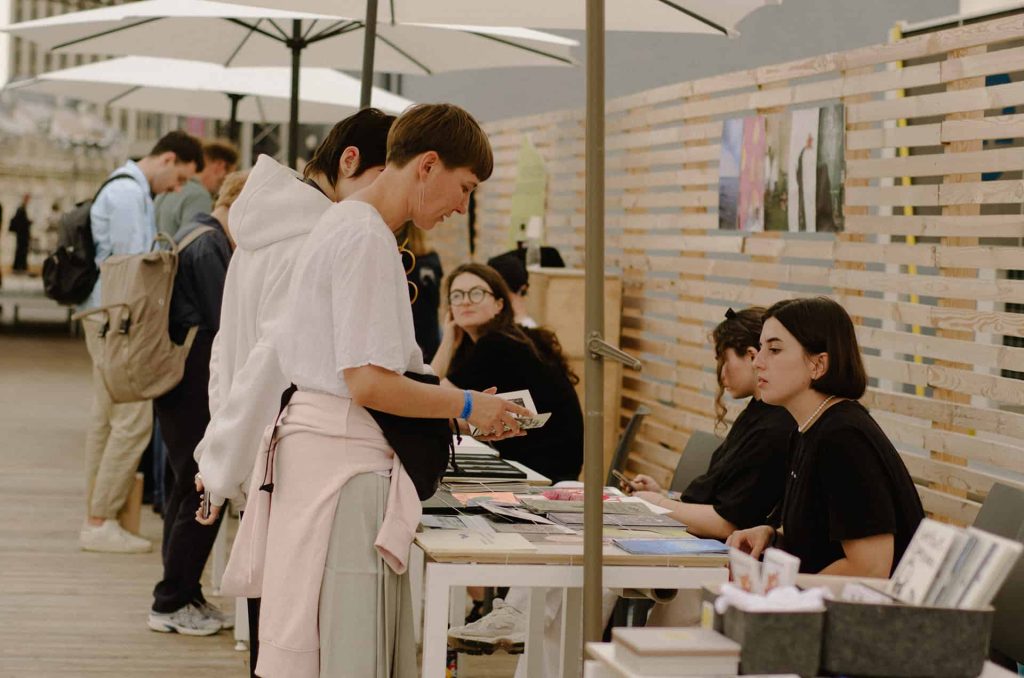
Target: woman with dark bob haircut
[{"x": 850, "y": 506}]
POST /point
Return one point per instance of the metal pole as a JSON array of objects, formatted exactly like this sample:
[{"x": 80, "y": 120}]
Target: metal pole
[
  {"x": 369, "y": 43},
  {"x": 233, "y": 127},
  {"x": 593, "y": 429},
  {"x": 296, "y": 45}
]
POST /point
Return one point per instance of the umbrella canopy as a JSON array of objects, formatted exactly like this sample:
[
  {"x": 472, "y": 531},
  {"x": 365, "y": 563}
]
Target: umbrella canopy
[
  {"x": 237, "y": 35},
  {"x": 200, "y": 88},
  {"x": 680, "y": 16}
]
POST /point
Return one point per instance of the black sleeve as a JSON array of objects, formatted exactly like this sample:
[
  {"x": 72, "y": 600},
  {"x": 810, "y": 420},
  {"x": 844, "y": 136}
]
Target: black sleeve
[
  {"x": 854, "y": 482},
  {"x": 210, "y": 270},
  {"x": 490, "y": 362},
  {"x": 750, "y": 490}
]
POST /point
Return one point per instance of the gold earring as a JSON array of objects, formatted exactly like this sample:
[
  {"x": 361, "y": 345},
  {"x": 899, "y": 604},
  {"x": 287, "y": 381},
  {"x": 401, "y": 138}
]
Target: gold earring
[{"x": 414, "y": 292}]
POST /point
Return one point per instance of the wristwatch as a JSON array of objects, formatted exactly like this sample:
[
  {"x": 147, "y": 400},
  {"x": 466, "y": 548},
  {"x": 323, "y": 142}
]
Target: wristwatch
[{"x": 673, "y": 495}]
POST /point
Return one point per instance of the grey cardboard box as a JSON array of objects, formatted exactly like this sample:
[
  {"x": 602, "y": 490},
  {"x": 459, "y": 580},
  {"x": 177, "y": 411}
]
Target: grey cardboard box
[
  {"x": 903, "y": 641},
  {"x": 776, "y": 642},
  {"x": 771, "y": 642}
]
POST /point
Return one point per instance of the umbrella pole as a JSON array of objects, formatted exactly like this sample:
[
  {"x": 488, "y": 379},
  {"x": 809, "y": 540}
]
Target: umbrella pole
[
  {"x": 593, "y": 431},
  {"x": 233, "y": 127},
  {"x": 296, "y": 44},
  {"x": 369, "y": 43}
]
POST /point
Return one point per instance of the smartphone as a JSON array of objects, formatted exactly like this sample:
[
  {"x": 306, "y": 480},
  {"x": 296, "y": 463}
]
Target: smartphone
[
  {"x": 204, "y": 505},
  {"x": 625, "y": 481}
]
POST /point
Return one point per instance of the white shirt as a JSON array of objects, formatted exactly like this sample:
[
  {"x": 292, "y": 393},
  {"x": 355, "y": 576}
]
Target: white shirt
[{"x": 349, "y": 303}]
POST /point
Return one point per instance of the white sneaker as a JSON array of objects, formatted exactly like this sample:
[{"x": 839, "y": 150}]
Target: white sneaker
[
  {"x": 227, "y": 620},
  {"x": 110, "y": 537},
  {"x": 188, "y": 621},
  {"x": 504, "y": 628}
]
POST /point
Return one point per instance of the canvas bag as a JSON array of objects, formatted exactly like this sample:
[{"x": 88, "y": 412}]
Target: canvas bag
[{"x": 138, "y": 360}]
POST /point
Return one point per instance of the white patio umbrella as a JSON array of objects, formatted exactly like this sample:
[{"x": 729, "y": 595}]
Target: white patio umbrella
[
  {"x": 204, "y": 89},
  {"x": 238, "y": 35}
]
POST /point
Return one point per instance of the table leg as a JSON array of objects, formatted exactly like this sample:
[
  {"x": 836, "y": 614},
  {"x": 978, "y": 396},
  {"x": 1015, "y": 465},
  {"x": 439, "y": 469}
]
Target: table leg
[
  {"x": 416, "y": 589},
  {"x": 435, "y": 626},
  {"x": 534, "y": 656},
  {"x": 572, "y": 632},
  {"x": 457, "y": 606}
]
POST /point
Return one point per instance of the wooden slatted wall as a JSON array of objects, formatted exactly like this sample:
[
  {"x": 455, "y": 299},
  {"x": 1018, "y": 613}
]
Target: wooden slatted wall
[{"x": 925, "y": 265}]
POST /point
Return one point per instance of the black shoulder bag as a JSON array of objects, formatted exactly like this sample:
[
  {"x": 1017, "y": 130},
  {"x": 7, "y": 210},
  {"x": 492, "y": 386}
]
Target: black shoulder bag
[{"x": 424, "y": 445}]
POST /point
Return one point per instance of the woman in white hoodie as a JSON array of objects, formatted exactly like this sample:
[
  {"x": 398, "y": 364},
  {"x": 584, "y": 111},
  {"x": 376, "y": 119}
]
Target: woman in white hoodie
[
  {"x": 270, "y": 221},
  {"x": 328, "y": 552}
]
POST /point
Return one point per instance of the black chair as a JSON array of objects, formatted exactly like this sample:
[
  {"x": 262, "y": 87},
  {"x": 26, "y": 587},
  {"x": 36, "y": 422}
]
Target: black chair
[
  {"x": 1002, "y": 514},
  {"x": 625, "y": 442},
  {"x": 695, "y": 459}
]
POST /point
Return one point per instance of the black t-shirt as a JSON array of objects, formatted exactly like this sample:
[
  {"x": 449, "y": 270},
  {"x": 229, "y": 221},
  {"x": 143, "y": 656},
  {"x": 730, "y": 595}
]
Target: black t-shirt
[
  {"x": 846, "y": 481},
  {"x": 427, "y": 275},
  {"x": 554, "y": 450},
  {"x": 747, "y": 475}
]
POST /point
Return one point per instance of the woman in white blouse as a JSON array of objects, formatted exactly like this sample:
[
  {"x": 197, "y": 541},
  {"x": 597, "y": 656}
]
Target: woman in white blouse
[{"x": 330, "y": 556}]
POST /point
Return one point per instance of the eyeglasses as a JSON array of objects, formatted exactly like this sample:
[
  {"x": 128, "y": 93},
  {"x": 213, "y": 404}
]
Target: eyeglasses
[{"x": 475, "y": 296}]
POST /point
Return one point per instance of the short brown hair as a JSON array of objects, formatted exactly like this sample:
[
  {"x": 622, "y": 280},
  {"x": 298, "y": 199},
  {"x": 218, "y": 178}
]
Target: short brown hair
[
  {"x": 447, "y": 130},
  {"x": 185, "y": 147},
  {"x": 232, "y": 186},
  {"x": 823, "y": 326},
  {"x": 220, "y": 149},
  {"x": 366, "y": 130}
]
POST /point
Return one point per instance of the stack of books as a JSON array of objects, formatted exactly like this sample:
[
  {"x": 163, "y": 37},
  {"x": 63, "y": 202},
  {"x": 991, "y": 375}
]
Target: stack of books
[
  {"x": 949, "y": 566},
  {"x": 676, "y": 652}
]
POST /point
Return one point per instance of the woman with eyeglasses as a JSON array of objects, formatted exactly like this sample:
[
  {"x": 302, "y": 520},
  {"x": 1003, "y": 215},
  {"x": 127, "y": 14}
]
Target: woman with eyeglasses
[{"x": 483, "y": 344}]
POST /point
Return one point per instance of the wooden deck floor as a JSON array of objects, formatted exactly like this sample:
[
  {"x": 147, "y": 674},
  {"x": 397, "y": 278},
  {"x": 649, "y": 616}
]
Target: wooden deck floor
[{"x": 64, "y": 612}]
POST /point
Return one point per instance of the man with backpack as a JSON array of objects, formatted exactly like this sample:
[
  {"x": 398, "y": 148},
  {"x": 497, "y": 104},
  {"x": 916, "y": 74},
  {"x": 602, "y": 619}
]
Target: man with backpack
[{"x": 122, "y": 222}]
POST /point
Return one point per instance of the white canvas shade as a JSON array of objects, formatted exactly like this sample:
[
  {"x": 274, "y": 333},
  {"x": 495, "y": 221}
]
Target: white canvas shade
[
  {"x": 239, "y": 35},
  {"x": 676, "y": 16},
  {"x": 203, "y": 89}
]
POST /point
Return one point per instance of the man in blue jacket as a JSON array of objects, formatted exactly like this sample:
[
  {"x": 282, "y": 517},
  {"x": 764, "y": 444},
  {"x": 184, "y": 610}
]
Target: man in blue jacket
[{"x": 123, "y": 222}]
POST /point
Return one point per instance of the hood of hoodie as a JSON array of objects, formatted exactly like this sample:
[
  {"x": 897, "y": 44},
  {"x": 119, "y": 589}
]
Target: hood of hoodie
[{"x": 274, "y": 205}]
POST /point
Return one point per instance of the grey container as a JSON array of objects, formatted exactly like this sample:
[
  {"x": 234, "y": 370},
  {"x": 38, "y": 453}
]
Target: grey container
[
  {"x": 776, "y": 642},
  {"x": 904, "y": 641}
]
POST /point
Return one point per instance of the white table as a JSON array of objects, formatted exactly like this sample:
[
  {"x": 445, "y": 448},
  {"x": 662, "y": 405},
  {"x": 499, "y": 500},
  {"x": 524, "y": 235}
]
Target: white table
[{"x": 550, "y": 566}]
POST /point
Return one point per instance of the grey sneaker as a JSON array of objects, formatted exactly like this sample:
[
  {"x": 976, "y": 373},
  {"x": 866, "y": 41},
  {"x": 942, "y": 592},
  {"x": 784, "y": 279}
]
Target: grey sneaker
[
  {"x": 188, "y": 621},
  {"x": 227, "y": 621},
  {"x": 110, "y": 537},
  {"x": 504, "y": 628}
]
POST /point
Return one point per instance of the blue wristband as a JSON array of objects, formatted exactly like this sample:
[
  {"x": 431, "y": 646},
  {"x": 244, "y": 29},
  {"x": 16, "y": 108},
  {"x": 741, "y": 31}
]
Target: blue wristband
[{"x": 467, "y": 405}]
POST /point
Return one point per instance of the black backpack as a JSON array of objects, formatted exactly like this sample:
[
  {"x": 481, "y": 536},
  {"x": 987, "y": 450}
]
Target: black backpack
[{"x": 70, "y": 273}]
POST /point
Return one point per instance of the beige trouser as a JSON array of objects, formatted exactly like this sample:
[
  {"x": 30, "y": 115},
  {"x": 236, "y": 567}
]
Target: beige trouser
[{"x": 118, "y": 435}]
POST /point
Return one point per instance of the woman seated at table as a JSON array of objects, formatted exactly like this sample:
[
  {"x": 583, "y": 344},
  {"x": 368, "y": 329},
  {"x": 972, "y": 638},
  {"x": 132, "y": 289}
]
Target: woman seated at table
[
  {"x": 850, "y": 506},
  {"x": 747, "y": 474},
  {"x": 482, "y": 346}
]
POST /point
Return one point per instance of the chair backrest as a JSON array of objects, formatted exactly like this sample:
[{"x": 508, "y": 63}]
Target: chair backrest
[
  {"x": 625, "y": 442},
  {"x": 695, "y": 459},
  {"x": 1003, "y": 514}
]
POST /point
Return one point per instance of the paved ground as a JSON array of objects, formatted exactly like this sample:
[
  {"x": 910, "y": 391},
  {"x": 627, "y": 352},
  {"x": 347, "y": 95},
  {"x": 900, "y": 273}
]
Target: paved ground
[{"x": 64, "y": 612}]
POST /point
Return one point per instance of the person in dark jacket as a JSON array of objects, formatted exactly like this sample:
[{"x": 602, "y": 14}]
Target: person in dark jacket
[
  {"x": 426, "y": 275},
  {"x": 21, "y": 227},
  {"x": 184, "y": 412}
]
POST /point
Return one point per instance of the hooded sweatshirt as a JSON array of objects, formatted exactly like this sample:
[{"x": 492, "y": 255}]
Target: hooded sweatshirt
[{"x": 269, "y": 220}]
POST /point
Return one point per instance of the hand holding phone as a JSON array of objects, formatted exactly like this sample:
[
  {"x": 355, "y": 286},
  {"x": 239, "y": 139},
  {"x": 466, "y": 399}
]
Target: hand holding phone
[
  {"x": 204, "y": 505},
  {"x": 627, "y": 484}
]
